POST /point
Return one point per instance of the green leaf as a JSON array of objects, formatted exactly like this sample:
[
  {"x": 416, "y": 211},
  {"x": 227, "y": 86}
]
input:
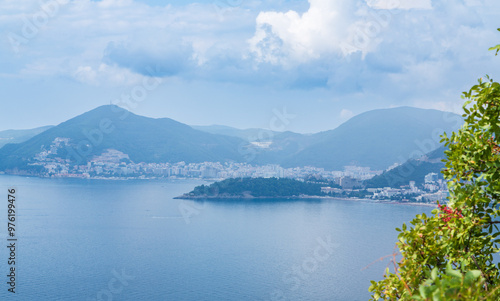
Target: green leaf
[
  {"x": 497, "y": 48},
  {"x": 434, "y": 273},
  {"x": 451, "y": 272},
  {"x": 473, "y": 173},
  {"x": 424, "y": 291},
  {"x": 471, "y": 276}
]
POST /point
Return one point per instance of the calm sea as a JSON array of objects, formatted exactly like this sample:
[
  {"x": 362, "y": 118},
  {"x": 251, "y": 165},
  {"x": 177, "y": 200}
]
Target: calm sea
[{"x": 130, "y": 240}]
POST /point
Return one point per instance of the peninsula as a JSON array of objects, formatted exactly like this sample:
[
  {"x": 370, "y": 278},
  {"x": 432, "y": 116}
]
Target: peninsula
[
  {"x": 255, "y": 188},
  {"x": 307, "y": 188}
]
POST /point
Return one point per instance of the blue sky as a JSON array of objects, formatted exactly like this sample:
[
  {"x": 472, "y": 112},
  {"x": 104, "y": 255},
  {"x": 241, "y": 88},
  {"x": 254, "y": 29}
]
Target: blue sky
[{"x": 237, "y": 62}]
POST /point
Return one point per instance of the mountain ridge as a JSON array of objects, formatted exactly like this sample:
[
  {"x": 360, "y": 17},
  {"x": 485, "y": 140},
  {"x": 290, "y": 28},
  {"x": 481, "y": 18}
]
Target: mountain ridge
[
  {"x": 375, "y": 139},
  {"x": 378, "y": 138},
  {"x": 19, "y": 136},
  {"x": 413, "y": 169},
  {"x": 144, "y": 139}
]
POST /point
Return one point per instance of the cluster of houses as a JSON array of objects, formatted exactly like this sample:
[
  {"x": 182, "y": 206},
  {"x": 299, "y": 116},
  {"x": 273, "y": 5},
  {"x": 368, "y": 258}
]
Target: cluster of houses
[
  {"x": 115, "y": 164},
  {"x": 432, "y": 190}
]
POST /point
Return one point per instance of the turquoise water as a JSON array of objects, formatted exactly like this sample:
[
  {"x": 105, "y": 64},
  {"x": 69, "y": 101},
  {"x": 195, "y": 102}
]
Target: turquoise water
[{"x": 130, "y": 240}]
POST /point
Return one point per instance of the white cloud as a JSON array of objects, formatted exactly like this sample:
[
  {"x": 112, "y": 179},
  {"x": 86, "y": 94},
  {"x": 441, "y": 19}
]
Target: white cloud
[
  {"x": 327, "y": 30},
  {"x": 284, "y": 38},
  {"x": 360, "y": 52},
  {"x": 400, "y": 4},
  {"x": 74, "y": 39},
  {"x": 307, "y": 47},
  {"x": 105, "y": 75}
]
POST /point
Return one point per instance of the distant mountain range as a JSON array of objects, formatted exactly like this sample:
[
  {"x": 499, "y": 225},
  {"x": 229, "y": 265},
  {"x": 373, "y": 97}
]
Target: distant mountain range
[
  {"x": 267, "y": 146},
  {"x": 250, "y": 135},
  {"x": 375, "y": 139},
  {"x": 18, "y": 136}
]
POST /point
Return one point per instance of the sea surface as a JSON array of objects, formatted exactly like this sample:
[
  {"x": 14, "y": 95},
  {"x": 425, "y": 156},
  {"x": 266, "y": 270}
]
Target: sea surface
[{"x": 131, "y": 240}]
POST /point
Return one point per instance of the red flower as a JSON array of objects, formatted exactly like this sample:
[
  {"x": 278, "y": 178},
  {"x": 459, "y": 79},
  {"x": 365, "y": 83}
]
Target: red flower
[{"x": 449, "y": 213}]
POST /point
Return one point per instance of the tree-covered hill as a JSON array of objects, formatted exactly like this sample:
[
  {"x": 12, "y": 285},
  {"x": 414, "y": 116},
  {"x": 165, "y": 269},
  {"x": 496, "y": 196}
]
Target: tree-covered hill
[
  {"x": 255, "y": 187},
  {"x": 411, "y": 170},
  {"x": 143, "y": 139}
]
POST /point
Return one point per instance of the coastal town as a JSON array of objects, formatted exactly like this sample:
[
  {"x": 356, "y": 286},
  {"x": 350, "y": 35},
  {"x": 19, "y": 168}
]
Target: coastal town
[{"x": 115, "y": 165}]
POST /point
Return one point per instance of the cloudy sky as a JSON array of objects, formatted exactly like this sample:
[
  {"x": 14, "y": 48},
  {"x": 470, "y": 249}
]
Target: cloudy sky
[{"x": 239, "y": 62}]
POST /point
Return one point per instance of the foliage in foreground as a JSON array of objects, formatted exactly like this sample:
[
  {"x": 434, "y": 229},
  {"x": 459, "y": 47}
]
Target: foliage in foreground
[{"x": 449, "y": 255}]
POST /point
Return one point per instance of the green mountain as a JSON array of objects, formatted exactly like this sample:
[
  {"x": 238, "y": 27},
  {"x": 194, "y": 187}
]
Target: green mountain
[
  {"x": 269, "y": 146},
  {"x": 18, "y": 136},
  {"x": 376, "y": 139},
  {"x": 110, "y": 127},
  {"x": 283, "y": 146},
  {"x": 411, "y": 170},
  {"x": 249, "y": 135}
]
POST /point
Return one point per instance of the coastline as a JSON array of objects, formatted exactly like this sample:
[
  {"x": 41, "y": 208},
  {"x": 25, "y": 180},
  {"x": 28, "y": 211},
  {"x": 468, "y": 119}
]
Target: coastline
[
  {"x": 221, "y": 197},
  {"x": 249, "y": 197}
]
